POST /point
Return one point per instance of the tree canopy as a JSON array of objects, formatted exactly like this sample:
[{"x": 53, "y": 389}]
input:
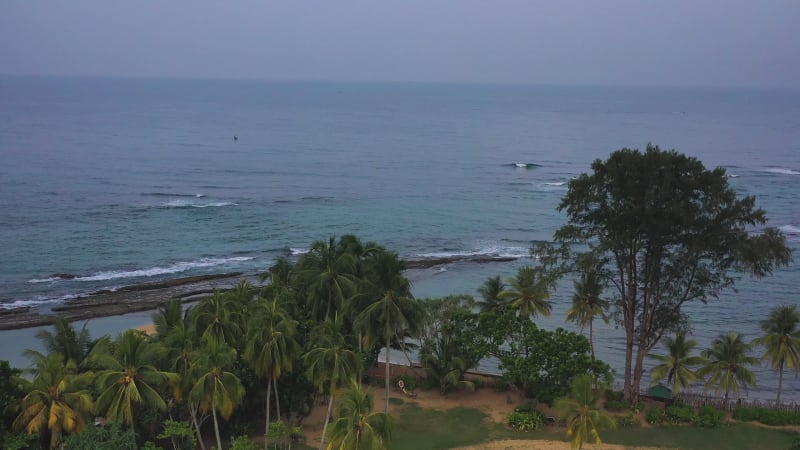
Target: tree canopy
[{"x": 664, "y": 231}]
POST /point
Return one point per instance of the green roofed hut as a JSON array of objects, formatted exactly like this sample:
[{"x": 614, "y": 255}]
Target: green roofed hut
[{"x": 660, "y": 392}]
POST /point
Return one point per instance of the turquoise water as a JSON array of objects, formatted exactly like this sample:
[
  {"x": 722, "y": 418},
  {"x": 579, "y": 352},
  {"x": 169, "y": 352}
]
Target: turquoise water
[{"x": 123, "y": 181}]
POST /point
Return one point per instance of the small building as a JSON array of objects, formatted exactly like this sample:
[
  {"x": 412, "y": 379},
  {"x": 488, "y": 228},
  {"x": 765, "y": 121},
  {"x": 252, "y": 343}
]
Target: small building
[{"x": 660, "y": 392}]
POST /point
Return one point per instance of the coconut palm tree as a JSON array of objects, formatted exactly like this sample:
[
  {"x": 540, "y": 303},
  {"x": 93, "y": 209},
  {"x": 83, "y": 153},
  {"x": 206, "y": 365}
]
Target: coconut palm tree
[
  {"x": 390, "y": 312},
  {"x": 726, "y": 365},
  {"x": 587, "y": 304},
  {"x": 130, "y": 380},
  {"x": 490, "y": 292},
  {"x": 218, "y": 317},
  {"x": 584, "y": 420},
  {"x": 528, "y": 293},
  {"x": 216, "y": 389},
  {"x": 781, "y": 341},
  {"x": 57, "y": 401},
  {"x": 167, "y": 317},
  {"x": 327, "y": 271},
  {"x": 676, "y": 366},
  {"x": 444, "y": 364},
  {"x": 356, "y": 426},
  {"x": 330, "y": 364},
  {"x": 65, "y": 340},
  {"x": 271, "y": 346}
]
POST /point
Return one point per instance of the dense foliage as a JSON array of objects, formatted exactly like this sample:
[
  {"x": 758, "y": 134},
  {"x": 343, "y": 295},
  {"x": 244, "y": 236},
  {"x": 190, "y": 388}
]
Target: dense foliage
[{"x": 662, "y": 230}]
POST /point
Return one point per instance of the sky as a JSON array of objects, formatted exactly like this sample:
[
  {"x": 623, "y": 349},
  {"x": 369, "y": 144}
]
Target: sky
[{"x": 725, "y": 43}]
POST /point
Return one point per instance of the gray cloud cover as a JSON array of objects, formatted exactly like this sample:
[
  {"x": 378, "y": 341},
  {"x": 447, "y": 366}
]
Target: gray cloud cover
[{"x": 618, "y": 42}]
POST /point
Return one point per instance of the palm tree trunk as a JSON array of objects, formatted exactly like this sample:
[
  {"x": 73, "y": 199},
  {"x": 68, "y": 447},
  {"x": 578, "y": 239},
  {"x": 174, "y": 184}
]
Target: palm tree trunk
[
  {"x": 388, "y": 342},
  {"x": 277, "y": 400},
  {"x": 269, "y": 393},
  {"x": 193, "y": 413},
  {"x": 325, "y": 427},
  {"x": 780, "y": 386},
  {"x": 591, "y": 339},
  {"x": 216, "y": 427}
]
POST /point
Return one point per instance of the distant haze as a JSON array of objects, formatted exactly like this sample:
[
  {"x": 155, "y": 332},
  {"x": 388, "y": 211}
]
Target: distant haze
[{"x": 611, "y": 42}]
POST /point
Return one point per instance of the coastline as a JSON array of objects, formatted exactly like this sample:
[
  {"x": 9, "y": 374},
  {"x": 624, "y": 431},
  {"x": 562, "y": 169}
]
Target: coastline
[{"x": 150, "y": 296}]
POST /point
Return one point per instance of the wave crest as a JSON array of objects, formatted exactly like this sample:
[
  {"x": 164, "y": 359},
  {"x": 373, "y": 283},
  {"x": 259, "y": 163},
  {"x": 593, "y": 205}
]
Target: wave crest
[
  {"x": 188, "y": 204},
  {"x": 782, "y": 171},
  {"x": 163, "y": 270}
]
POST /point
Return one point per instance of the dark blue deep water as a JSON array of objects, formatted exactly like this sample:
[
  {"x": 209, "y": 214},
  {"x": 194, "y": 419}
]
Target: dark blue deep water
[{"x": 123, "y": 181}]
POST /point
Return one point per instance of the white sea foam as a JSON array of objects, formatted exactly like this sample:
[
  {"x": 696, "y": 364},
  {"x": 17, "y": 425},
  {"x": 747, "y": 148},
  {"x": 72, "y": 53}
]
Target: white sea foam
[
  {"x": 489, "y": 251},
  {"x": 790, "y": 229},
  {"x": 297, "y": 251},
  {"x": 165, "y": 270},
  {"x": 190, "y": 204},
  {"x": 37, "y": 301},
  {"x": 782, "y": 171},
  {"x": 45, "y": 280},
  {"x": 560, "y": 183}
]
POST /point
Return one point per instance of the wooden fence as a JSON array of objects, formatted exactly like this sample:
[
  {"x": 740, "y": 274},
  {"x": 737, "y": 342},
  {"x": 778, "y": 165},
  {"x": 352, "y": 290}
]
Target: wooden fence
[{"x": 698, "y": 400}]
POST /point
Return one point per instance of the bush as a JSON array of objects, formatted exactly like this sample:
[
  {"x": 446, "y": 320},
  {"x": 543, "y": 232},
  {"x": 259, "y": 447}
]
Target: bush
[
  {"x": 654, "y": 415},
  {"x": 772, "y": 417},
  {"x": 746, "y": 414},
  {"x": 614, "y": 395},
  {"x": 244, "y": 443},
  {"x": 709, "y": 417},
  {"x": 681, "y": 414},
  {"x": 501, "y": 385},
  {"x": 525, "y": 418},
  {"x": 767, "y": 416},
  {"x": 795, "y": 444},
  {"x": 616, "y": 405},
  {"x": 428, "y": 383},
  {"x": 628, "y": 420}
]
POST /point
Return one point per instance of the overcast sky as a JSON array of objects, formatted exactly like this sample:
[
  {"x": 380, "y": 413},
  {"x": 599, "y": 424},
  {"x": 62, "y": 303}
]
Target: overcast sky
[{"x": 596, "y": 42}]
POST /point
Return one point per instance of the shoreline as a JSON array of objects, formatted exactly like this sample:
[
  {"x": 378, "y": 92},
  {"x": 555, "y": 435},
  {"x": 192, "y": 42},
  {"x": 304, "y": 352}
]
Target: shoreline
[{"x": 150, "y": 296}]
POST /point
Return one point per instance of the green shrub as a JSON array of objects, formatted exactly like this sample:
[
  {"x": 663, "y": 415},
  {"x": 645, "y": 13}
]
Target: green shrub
[
  {"x": 709, "y": 417},
  {"x": 746, "y": 414},
  {"x": 501, "y": 385},
  {"x": 628, "y": 420},
  {"x": 244, "y": 443},
  {"x": 654, "y": 415},
  {"x": 614, "y": 395},
  {"x": 772, "y": 417},
  {"x": 428, "y": 383},
  {"x": 795, "y": 444},
  {"x": 525, "y": 418},
  {"x": 616, "y": 405},
  {"x": 681, "y": 414}
]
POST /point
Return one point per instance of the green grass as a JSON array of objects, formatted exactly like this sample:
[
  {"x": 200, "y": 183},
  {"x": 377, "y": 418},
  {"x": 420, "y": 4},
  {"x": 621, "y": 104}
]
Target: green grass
[
  {"x": 427, "y": 429},
  {"x": 735, "y": 436}
]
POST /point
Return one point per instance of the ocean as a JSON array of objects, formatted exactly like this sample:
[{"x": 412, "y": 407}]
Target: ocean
[{"x": 111, "y": 182}]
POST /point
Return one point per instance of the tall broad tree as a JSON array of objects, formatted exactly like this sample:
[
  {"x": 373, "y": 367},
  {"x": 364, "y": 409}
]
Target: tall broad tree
[
  {"x": 391, "y": 311},
  {"x": 726, "y": 365},
  {"x": 781, "y": 341},
  {"x": 587, "y": 304},
  {"x": 676, "y": 366},
  {"x": 664, "y": 231},
  {"x": 490, "y": 291}
]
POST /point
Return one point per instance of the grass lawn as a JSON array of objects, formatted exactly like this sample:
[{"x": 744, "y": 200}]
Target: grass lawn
[{"x": 427, "y": 429}]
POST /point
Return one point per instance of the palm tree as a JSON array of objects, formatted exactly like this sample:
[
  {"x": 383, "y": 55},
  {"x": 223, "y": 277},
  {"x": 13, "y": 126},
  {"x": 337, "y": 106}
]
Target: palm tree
[
  {"x": 391, "y": 312},
  {"x": 587, "y": 304},
  {"x": 443, "y": 364},
  {"x": 167, "y": 317},
  {"x": 57, "y": 401},
  {"x": 584, "y": 420},
  {"x": 218, "y": 317},
  {"x": 781, "y": 341},
  {"x": 528, "y": 293},
  {"x": 490, "y": 292},
  {"x": 356, "y": 426},
  {"x": 271, "y": 347},
  {"x": 65, "y": 340},
  {"x": 216, "y": 389},
  {"x": 725, "y": 366},
  {"x": 329, "y": 364},
  {"x": 130, "y": 380},
  {"x": 327, "y": 270},
  {"x": 676, "y": 365}
]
